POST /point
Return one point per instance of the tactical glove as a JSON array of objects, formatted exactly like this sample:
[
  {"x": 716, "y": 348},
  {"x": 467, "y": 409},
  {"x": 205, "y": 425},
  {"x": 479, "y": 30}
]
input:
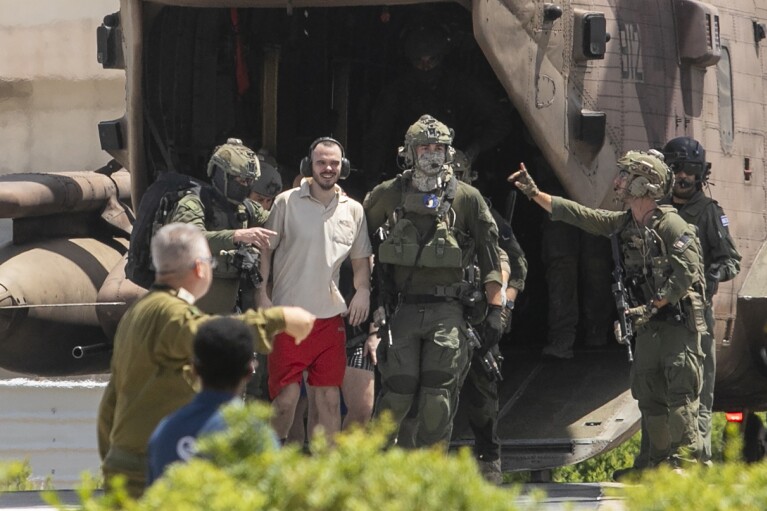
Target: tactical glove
[
  {"x": 642, "y": 314},
  {"x": 713, "y": 275},
  {"x": 493, "y": 327},
  {"x": 527, "y": 185}
]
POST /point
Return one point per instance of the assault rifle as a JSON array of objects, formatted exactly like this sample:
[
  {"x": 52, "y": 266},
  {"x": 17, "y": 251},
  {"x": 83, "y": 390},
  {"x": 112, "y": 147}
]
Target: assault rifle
[
  {"x": 246, "y": 259},
  {"x": 487, "y": 360},
  {"x": 624, "y": 332},
  {"x": 383, "y": 312}
]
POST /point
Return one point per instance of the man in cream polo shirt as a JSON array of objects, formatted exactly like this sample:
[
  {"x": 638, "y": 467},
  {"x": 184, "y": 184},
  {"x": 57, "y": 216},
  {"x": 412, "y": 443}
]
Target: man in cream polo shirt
[{"x": 317, "y": 227}]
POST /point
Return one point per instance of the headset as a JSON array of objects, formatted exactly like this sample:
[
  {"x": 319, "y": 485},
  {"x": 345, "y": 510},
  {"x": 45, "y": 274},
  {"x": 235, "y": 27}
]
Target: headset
[{"x": 306, "y": 163}]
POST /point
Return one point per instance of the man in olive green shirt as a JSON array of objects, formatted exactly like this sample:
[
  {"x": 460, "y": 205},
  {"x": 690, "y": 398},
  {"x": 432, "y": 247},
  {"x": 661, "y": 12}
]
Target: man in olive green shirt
[
  {"x": 153, "y": 350},
  {"x": 661, "y": 257}
]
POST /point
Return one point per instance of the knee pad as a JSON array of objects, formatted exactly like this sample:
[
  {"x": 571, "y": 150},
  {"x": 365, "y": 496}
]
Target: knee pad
[
  {"x": 396, "y": 404},
  {"x": 434, "y": 415}
]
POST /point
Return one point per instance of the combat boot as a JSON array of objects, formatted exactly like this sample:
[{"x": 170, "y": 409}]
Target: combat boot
[{"x": 491, "y": 471}]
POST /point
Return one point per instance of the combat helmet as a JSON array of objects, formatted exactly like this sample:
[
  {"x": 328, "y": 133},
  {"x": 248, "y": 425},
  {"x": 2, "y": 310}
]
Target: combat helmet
[
  {"x": 685, "y": 154},
  {"x": 269, "y": 183},
  {"x": 426, "y": 130},
  {"x": 649, "y": 175},
  {"x": 462, "y": 167},
  {"x": 230, "y": 161}
]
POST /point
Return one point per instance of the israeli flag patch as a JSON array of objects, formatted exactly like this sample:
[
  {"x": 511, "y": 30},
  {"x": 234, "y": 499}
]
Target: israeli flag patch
[{"x": 725, "y": 220}]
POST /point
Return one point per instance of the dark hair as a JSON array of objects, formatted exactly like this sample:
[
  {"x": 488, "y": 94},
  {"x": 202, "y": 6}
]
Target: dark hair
[{"x": 223, "y": 351}]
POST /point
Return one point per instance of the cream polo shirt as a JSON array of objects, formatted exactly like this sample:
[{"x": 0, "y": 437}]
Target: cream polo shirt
[{"x": 311, "y": 243}]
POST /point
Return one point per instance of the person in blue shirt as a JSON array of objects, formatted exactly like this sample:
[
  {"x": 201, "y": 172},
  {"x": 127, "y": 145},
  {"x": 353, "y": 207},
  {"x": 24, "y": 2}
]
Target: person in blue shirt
[{"x": 224, "y": 361}]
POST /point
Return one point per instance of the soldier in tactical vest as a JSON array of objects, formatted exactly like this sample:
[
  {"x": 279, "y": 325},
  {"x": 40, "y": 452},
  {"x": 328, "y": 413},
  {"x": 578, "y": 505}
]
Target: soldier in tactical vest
[
  {"x": 227, "y": 221},
  {"x": 435, "y": 226},
  {"x": 721, "y": 261},
  {"x": 663, "y": 269},
  {"x": 479, "y": 393}
]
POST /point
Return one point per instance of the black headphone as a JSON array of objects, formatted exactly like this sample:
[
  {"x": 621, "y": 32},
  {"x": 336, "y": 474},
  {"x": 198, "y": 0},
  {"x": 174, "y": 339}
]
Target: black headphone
[{"x": 306, "y": 163}]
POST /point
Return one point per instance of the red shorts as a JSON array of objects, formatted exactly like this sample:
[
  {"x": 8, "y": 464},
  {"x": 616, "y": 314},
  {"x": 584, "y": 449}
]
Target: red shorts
[{"x": 322, "y": 354}]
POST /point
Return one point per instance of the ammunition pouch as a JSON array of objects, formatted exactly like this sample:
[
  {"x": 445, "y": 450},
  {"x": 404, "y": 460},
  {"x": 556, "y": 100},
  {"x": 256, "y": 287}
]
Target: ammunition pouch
[{"x": 402, "y": 247}]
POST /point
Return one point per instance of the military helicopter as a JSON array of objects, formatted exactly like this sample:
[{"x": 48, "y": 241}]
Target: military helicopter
[{"x": 584, "y": 83}]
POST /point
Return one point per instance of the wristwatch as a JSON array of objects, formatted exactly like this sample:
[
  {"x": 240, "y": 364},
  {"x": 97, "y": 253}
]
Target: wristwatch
[{"x": 510, "y": 304}]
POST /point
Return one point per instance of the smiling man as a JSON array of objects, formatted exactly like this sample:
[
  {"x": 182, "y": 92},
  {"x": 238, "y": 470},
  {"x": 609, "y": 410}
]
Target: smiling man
[{"x": 317, "y": 226}]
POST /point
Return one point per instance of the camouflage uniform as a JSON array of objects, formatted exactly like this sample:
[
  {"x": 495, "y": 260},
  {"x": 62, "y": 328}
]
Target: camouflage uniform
[
  {"x": 663, "y": 266},
  {"x": 666, "y": 373},
  {"x": 226, "y": 215},
  {"x": 426, "y": 253},
  {"x": 152, "y": 350}
]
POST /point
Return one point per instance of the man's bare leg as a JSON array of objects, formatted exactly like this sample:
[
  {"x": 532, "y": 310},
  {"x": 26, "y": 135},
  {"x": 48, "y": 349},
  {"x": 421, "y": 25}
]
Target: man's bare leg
[
  {"x": 359, "y": 391},
  {"x": 284, "y": 406},
  {"x": 328, "y": 406}
]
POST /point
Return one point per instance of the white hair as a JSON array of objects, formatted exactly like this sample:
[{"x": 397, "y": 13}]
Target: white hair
[{"x": 177, "y": 246}]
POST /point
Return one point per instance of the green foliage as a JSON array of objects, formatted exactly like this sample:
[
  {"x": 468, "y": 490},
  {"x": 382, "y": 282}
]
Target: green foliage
[
  {"x": 17, "y": 476},
  {"x": 724, "y": 486},
  {"x": 238, "y": 469},
  {"x": 600, "y": 468}
]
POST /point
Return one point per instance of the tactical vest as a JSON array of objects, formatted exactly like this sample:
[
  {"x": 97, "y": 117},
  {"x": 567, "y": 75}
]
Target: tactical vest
[
  {"x": 645, "y": 260},
  {"x": 648, "y": 267},
  {"x": 438, "y": 247}
]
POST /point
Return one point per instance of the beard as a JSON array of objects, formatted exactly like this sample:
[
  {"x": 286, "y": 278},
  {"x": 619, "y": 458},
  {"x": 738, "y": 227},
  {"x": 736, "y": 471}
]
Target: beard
[{"x": 684, "y": 188}]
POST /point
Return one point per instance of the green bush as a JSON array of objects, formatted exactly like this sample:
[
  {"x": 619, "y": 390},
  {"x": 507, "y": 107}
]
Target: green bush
[
  {"x": 238, "y": 470},
  {"x": 16, "y": 476},
  {"x": 724, "y": 486}
]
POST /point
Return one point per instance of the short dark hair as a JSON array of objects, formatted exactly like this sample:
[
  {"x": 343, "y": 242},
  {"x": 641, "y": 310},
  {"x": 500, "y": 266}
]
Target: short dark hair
[{"x": 223, "y": 351}]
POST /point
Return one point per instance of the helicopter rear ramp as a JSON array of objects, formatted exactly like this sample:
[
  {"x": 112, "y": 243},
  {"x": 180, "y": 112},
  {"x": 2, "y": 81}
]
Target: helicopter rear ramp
[{"x": 560, "y": 412}]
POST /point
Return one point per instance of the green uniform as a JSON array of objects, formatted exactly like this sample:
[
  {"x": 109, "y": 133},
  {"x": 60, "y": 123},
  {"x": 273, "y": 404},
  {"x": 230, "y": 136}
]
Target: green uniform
[
  {"x": 661, "y": 261},
  {"x": 153, "y": 348},
  {"x": 480, "y": 392},
  {"x": 218, "y": 226},
  {"x": 425, "y": 259},
  {"x": 720, "y": 254}
]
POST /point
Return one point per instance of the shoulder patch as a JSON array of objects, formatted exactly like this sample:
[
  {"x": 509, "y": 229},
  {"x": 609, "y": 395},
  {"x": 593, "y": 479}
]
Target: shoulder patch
[
  {"x": 681, "y": 243},
  {"x": 725, "y": 221}
]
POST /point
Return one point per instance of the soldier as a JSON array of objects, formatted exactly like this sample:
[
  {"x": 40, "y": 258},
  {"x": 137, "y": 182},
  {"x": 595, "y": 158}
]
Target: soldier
[
  {"x": 458, "y": 99},
  {"x": 721, "y": 261},
  {"x": 480, "y": 390},
  {"x": 661, "y": 257},
  {"x": 435, "y": 224},
  {"x": 227, "y": 220}
]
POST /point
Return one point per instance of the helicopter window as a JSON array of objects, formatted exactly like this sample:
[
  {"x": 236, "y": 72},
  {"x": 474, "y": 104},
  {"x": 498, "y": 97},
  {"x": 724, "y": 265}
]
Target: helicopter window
[{"x": 724, "y": 86}]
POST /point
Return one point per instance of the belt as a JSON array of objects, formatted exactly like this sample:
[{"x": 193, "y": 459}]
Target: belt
[{"x": 411, "y": 299}]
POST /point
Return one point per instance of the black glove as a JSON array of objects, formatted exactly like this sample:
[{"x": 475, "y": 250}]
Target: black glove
[
  {"x": 493, "y": 327},
  {"x": 713, "y": 275}
]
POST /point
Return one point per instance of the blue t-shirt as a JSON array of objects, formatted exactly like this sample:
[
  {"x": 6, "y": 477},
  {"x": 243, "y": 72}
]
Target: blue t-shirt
[{"x": 174, "y": 438}]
